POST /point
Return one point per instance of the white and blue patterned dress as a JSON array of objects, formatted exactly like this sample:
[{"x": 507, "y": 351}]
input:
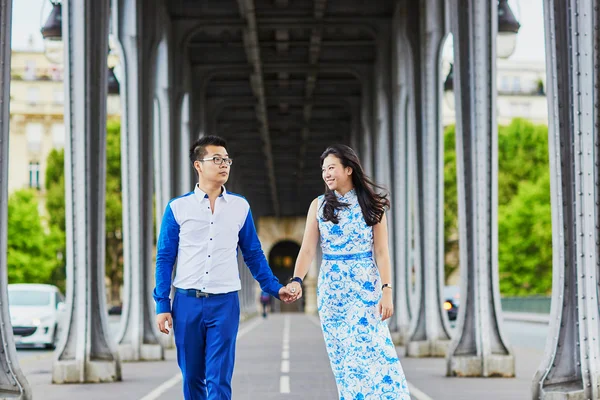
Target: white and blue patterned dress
[{"x": 363, "y": 358}]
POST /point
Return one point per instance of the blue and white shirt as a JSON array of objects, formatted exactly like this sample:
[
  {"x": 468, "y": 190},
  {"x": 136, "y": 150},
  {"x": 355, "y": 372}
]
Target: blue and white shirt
[{"x": 205, "y": 246}]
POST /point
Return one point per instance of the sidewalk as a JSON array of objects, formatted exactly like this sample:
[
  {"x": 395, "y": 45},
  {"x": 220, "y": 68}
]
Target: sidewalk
[{"x": 265, "y": 371}]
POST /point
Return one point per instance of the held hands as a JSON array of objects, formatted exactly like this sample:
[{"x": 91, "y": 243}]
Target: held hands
[
  {"x": 160, "y": 321},
  {"x": 290, "y": 293},
  {"x": 386, "y": 305}
]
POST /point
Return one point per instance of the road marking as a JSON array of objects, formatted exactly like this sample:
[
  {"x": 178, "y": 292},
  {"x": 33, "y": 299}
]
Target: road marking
[
  {"x": 159, "y": 391},
  {"x": 416, "y": 393},
  {"x": 284, "y": 384},
  {"x": 284, "y": 380}
]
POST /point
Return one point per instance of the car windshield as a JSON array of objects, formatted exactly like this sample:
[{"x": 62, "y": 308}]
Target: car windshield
[{"x": 28, "y": 298}]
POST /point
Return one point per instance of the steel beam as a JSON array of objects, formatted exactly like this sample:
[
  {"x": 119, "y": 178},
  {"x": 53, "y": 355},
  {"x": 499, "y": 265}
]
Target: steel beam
[
  {"x": 12, "y": 381},
  {"x": 136, "y": 32},
  {"x": 479, "y": 347},
  {"x": 256, "y": 82},
  {"x": 85, "y": 353},
  {"x": 430, "y": 331},
  {"x": 570, "y": 368}
]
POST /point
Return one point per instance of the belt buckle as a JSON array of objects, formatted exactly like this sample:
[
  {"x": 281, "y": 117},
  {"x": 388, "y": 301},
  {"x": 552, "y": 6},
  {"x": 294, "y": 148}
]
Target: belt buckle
[{"x": 199, "y": 294}]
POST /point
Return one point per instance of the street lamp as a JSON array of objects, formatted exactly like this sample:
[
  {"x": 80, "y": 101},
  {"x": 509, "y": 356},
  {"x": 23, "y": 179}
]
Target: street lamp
[
  {"x": 508, "y": 27},
  {"x": 54, "y": 47},
  {"x": 52, "y": 34}
]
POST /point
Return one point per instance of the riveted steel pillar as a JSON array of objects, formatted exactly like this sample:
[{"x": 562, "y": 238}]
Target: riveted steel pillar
[
  {"x": 12, "y": 382},
  {"x": 479, "y": 348},
  {"x": 402, "y": 88},
  {"x": 86, "y": 353},
  {"x": 366, "y": 118},
  {"x": 382, "y": 134},
  {"x": 136, "y": 31},
  {"x": 570, "y": 368},
  {"x": 430, "y": 333}
]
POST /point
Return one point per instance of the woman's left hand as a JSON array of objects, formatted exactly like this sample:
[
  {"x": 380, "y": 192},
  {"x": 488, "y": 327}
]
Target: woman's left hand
[{"x": 386, "y": 305}]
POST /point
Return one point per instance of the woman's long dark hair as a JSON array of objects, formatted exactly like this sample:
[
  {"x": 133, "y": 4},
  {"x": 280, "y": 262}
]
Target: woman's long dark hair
[{"x": 372, "y": 204}]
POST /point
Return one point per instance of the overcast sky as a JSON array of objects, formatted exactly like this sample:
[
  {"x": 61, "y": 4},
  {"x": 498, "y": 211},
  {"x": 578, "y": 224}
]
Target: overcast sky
[{"x": 29, "y": 15}]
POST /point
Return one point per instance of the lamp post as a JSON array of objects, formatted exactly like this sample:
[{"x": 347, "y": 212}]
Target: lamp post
[
  {"x": 54, "y": 48},
  {"x": 52, "y": 34},
  {"x": 508, "y": 28}
]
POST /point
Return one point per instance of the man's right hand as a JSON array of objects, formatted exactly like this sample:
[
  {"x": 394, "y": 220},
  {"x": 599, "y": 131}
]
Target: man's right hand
[{"x": 161, "y": 319}]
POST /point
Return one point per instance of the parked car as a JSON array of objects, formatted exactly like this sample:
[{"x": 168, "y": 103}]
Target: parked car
[
  {"x": 451, "y": 301},
  {"x": 36, "y": 313}
]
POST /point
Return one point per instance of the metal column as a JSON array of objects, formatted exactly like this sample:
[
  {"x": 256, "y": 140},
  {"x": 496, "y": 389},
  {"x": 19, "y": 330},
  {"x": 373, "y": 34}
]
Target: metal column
[
  {"x": 136, "y": 31},
  {"x": 402, "y": 90},
  {"x": 479, "y": 347},
  {"x": 12, "y": 382},
  {"x": 430, "y": 332},
  {"x": 366, "y": 118},
  {"x": 85, "y": 353},
  {"x": 570, "y": 367},
  {"x": 383, "y": 135}
]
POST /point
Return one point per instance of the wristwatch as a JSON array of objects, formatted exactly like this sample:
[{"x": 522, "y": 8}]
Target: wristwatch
[
  {"x": 296, "y": 279},
  {"x": 386, "y": 285}
]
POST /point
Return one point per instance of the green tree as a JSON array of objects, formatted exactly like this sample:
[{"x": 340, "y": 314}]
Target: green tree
[
  {"x": 55, "y": 204},
  {"x": 30, "y": 256},
  {"x": 525, "y": 240},
  {"x": 524, "y": 219},
  {"x": 450, "y": 203}
]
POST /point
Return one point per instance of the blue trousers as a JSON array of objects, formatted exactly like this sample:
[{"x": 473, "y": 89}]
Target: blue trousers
[{"x": 205, "y": 331}]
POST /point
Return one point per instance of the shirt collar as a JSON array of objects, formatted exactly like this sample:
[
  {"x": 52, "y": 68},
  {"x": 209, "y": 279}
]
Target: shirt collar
[
  {"x": 350, "y": 195},
  {"x": 201, "y": 195}
]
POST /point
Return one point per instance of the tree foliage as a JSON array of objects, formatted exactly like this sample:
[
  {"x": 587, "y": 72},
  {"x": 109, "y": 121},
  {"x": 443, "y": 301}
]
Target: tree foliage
[
  {"x": 55, "y": 205},
  {"x": 524, "y": 218},
  {"x": 31, "y": 256}
]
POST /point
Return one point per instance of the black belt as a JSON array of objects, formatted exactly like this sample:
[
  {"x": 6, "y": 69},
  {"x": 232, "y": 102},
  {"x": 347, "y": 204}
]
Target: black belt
[{"x": 197, "y": 293}]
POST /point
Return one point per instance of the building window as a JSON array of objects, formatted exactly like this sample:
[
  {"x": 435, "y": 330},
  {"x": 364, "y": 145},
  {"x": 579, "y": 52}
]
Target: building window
[
  {"x": 30, "y": 70},
  {"x": 34, "y": 175},
  {"x": 505, "y": 86},
  {"x": 516, "y": 85},
  {"x": 59, "y": 96},
  {"x": 58, "y": 135},
  {"x": 33, "y": 132},
  {"x": 33, "y": 95}
]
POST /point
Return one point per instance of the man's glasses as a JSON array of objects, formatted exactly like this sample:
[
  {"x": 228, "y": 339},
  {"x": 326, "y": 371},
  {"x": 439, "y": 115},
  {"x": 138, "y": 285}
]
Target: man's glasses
[{"x": 219, "y": 160}]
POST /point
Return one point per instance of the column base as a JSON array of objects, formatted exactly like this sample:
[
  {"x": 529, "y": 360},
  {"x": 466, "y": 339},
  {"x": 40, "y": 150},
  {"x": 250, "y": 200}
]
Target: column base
[
  {"x": 73, "y": 371},
  {"x": 400, "y": 336},
  {"x": 427, "y": 348},
  {"x": 167, "y": 341},
  {"x": 493, "y": 365},
  {"x": 147, "y": 352}
]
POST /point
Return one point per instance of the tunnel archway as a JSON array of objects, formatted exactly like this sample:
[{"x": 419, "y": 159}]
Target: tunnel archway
[{"x": 282, "y": 259}]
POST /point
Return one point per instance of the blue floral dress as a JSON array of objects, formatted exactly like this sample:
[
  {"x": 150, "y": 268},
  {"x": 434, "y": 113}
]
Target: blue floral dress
[{"x": 363, "y": 358}]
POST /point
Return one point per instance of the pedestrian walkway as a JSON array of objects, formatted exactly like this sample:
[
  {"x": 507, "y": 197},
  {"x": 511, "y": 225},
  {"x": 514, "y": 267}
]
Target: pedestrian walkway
[{"x": 281, "y": 357}]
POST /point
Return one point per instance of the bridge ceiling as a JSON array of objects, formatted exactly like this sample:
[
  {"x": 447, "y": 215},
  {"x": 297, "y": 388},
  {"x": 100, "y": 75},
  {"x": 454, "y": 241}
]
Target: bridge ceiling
[{"x": 281, "y": 80}]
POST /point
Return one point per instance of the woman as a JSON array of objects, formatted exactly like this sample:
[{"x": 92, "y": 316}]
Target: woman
[{"x": 354, "y": 293}]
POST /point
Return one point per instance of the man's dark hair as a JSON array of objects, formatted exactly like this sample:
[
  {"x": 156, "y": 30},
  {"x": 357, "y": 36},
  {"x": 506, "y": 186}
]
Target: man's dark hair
[{"x": 198, "y": 149}]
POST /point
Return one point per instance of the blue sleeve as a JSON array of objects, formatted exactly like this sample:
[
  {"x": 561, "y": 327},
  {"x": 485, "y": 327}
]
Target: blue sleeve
[
  {"x": 255, "y": 258},
  {"x": 166, "y": 253}
]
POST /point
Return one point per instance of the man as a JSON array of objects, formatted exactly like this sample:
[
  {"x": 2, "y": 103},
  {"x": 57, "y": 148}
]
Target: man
[{"x": 202, "y": 230}]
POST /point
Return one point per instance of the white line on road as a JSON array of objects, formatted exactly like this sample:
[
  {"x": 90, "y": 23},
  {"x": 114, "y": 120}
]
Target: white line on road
[
  {"x": 416, "y": 393},
  {"x": 284, "y": 380},
  {"x": 156, "y": 393},
  {"x": 284, "y": 384}
]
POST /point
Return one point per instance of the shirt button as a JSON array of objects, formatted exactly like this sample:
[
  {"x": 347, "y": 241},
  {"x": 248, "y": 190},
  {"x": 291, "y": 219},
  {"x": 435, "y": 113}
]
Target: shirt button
[
  {"x": 212, "y": 223},
  {"x": 209, "y": 255},
  {"x": 210, "y": 238},
  {"x": 206, "y": 272}
]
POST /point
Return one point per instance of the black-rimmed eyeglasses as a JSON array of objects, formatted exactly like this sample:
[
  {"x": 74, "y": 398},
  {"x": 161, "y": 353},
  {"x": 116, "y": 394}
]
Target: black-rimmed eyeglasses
[{"x": 219, "y": 160}]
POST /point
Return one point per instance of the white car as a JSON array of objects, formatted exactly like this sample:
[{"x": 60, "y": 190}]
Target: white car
[{"x": 36, "y": 314}]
